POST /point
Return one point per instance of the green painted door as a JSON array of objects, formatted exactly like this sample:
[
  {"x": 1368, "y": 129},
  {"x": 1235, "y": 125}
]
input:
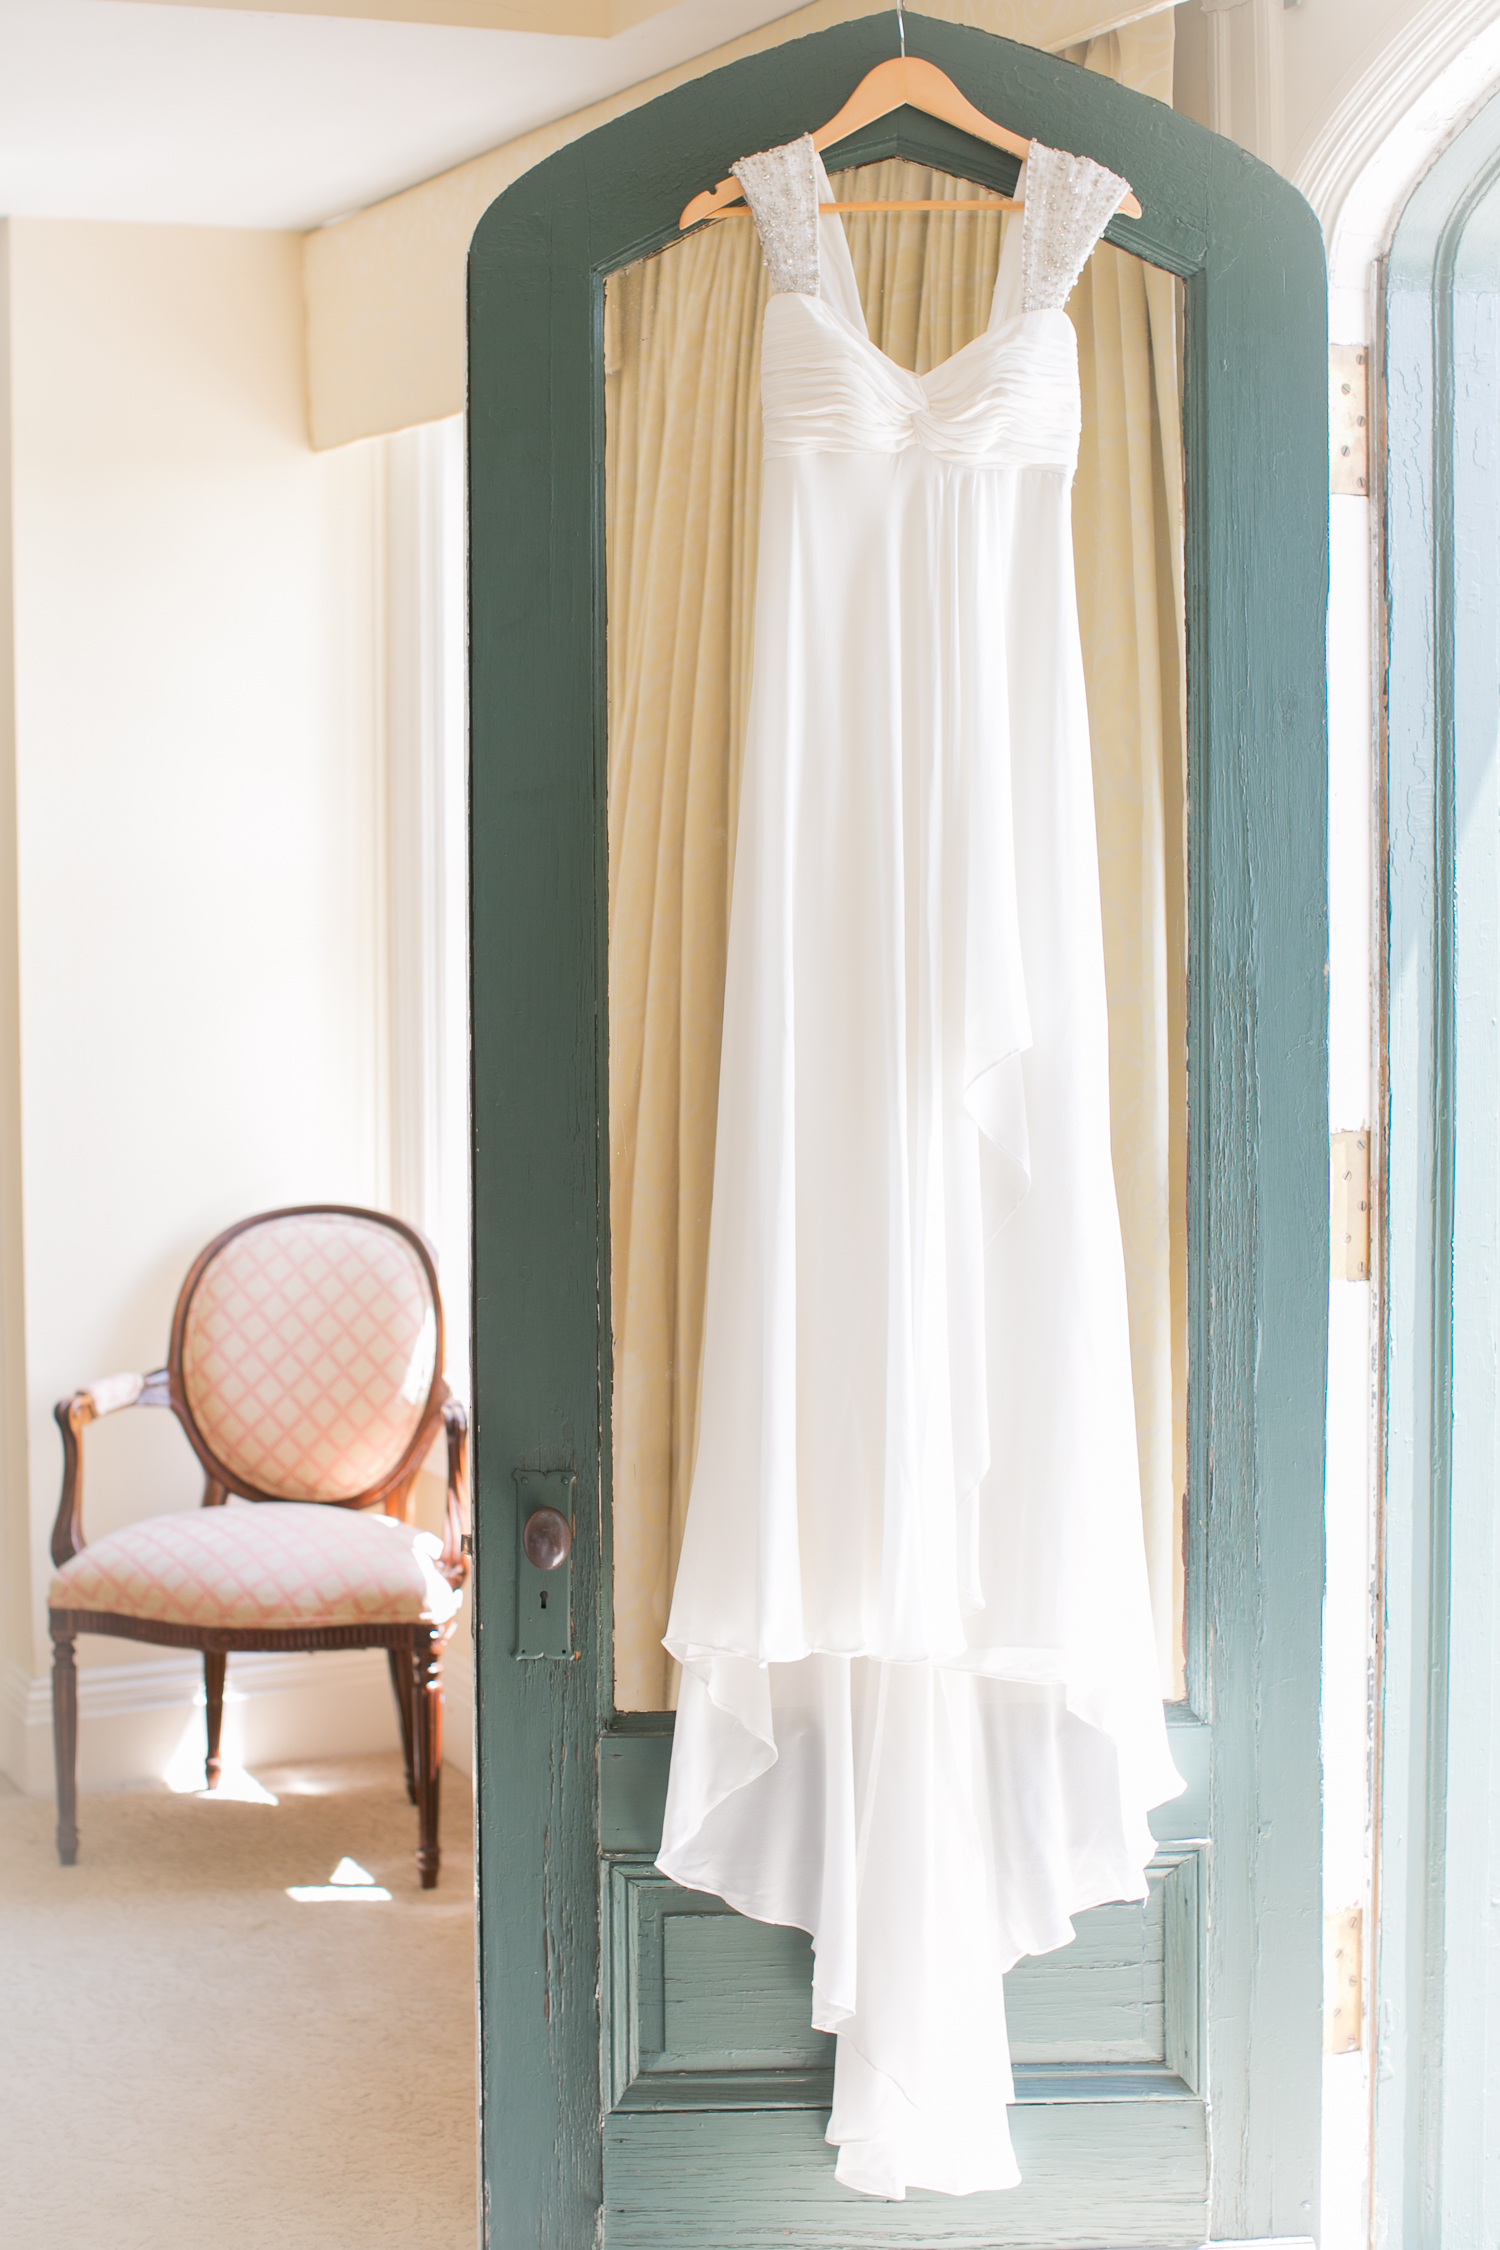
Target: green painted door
[{"x": 648, "y": 2073}]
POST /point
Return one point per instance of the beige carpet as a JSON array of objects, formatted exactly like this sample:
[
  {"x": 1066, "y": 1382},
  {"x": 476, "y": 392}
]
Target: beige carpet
[{"x": 192, "y": 2060}]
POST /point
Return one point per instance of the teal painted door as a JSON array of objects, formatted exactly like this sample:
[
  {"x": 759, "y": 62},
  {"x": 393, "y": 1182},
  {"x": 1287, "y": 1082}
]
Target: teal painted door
[{"x": 648, "y": 2073}]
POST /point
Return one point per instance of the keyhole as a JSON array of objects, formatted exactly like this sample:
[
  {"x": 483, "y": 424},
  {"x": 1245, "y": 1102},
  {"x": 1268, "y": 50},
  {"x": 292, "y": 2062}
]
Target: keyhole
[{"x": 544, "y": 1601}]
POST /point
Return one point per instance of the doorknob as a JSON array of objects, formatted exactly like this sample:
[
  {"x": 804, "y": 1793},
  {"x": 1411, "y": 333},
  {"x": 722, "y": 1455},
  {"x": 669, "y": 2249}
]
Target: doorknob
[
  {"x": 547, "y": 1538},
  {"x": 543, "y": 1533}
]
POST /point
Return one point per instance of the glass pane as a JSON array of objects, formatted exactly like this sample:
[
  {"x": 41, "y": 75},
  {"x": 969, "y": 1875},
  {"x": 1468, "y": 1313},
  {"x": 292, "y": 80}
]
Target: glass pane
[{"x": 682, "y": 364}]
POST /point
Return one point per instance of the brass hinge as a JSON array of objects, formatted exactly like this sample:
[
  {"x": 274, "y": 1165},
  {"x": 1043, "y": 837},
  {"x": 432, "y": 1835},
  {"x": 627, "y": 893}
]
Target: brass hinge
[
  {"x": 1349, "y": 1205},
  {"x": 1348, "y": 418},
  {"x": 1343, "y": 1981}
]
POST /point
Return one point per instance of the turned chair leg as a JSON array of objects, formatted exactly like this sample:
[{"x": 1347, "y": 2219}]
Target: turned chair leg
[
  {"x": 401, "y": 1686},
  {"x": 427, "y": 1744},
  {"x": 215, "y": 1663},
  {"x": 65, "y": 1745}
]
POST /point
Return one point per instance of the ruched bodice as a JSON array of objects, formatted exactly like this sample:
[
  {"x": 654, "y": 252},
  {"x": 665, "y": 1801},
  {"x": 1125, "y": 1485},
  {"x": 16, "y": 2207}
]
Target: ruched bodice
[
  {"x": 919, "y": 1712},
  {"x": 1010, "y": 398}
]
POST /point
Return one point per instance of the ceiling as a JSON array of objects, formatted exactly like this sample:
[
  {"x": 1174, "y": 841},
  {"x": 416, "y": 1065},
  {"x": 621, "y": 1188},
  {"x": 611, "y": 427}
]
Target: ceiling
[{"x": 197, "y": 112}]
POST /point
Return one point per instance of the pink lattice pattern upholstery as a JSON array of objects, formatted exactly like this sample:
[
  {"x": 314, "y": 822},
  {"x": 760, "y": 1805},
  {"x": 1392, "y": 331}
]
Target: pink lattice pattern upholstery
[
  {"x": 308, "y": 1355},
  {"x": 273, "y": 1564}
]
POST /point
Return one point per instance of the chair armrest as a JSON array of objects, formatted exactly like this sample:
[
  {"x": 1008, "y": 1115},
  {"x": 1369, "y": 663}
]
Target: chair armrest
[
  {"x": 73, "y": 1415},
  {"x": 456, "y": 1423}
]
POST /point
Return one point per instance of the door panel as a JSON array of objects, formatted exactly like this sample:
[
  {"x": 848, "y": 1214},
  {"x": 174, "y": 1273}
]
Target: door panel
[
  {"x": 749, "y": 2181},
  {"x": 647, "y": 2072},
  {"x": 706, "y": 2010}
]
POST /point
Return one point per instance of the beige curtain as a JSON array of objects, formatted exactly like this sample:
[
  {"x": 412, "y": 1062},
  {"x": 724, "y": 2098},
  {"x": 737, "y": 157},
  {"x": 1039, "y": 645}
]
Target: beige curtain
[
  {"x": 682, "y": 485},
  {"x": 682, "y": 360},
  {"x": 1127, "y": 540}
]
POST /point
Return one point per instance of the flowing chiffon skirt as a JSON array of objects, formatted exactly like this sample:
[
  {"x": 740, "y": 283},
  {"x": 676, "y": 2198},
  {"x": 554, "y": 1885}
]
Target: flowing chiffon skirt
[{"x": 920, "y": 1714}]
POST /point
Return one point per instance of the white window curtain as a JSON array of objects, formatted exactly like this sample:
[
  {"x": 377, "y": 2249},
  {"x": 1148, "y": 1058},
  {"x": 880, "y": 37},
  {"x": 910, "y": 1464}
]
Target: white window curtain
[{"x": 427, "y": 857}]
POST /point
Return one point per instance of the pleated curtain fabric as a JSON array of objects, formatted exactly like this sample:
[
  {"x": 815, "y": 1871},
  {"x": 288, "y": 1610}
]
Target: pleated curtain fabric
[{"x": 682, "y": 365}]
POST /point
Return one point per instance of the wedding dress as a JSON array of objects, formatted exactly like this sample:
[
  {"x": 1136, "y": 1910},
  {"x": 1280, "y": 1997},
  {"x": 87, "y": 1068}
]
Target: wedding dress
[{"x": 920, "y": 1714}]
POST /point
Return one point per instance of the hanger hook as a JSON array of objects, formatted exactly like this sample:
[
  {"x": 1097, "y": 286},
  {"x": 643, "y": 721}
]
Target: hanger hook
[{"x": 901, "y": 27}]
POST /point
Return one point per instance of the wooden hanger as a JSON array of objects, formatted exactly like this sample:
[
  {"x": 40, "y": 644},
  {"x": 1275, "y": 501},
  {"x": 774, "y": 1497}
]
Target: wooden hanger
[{"x": 903, "y": 82}]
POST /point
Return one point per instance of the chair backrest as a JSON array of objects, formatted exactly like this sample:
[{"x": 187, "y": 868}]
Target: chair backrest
[{"x": 307, "y": 1355}]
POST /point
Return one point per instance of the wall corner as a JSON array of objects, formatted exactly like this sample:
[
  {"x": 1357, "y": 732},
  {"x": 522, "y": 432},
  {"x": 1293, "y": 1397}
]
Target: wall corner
[{"x": 17, "y": 1651}]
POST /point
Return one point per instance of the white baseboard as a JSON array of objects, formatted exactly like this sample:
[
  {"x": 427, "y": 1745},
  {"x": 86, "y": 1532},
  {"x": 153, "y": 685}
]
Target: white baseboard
[{"x": 142, "y": 1720}]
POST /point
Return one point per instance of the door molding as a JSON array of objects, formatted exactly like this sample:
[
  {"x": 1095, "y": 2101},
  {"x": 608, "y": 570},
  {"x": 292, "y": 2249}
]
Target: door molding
[
  {"x": 1437, "y": 2010},
  {"x": 1255, "y": 433}
]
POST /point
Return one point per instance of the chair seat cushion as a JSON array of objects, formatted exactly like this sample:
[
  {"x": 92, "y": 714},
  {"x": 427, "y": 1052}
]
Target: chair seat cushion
[{"x": 274, "y": 1564}]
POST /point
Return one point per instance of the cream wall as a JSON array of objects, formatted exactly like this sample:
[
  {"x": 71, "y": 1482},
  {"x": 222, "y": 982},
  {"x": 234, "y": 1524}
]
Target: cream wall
[
  {"x": 15, "y": 1543},
  {"x": 1313, "y": 87},
  {"x": 197, "y": 794},
  {"x": 1317, "y": 87}
]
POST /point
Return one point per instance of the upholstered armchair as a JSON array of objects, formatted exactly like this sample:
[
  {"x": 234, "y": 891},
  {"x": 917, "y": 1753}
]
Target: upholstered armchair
[{"x": 306, "y": 1368}]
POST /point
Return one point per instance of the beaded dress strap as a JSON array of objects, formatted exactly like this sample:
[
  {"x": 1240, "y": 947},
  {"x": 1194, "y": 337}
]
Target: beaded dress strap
[
  {"x": 781, "y": 188},
  {"x": 1069, "y": 202}
]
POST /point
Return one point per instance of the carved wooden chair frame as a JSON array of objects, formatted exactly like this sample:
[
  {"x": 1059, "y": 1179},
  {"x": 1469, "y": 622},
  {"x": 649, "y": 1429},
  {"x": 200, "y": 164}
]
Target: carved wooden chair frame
[{"x": 414, "y": 1650}]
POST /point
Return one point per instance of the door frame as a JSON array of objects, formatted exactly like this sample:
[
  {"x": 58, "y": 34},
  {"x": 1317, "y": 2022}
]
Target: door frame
[
  {"x": 1255, "y": 435},
  {"x": 1437, "y": 2010}
]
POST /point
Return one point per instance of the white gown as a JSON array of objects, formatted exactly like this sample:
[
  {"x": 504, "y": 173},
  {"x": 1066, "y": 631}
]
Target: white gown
[{"x": 920, "y": 1714}]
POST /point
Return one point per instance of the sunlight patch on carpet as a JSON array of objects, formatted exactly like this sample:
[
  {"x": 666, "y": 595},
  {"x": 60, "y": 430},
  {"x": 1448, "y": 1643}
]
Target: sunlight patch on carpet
[{"x": 348, "y": 1881}]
